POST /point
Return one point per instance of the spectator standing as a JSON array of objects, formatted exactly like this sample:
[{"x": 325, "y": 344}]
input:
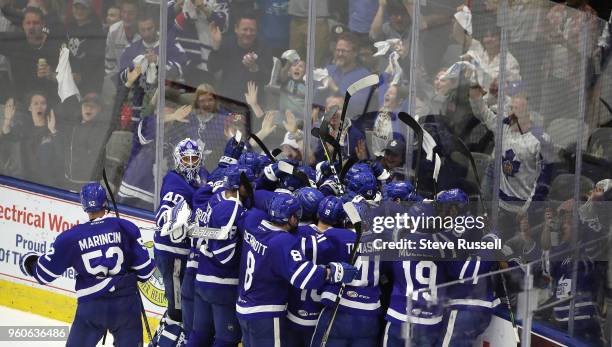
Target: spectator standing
[
  {"x": 345, "y": 70},
  {"x": 53, "y": 24},
  {"x": 148, "y": 45},
  {"x": 239, "y": 59},
  {"x": 361, "y": 15},
  {"x": 33, "y": 56},
  {"x": 298, "y": 28},
  {"x": 85, "y": 144},
  {"x": 275, "y": 24},
  {"x": 113, "y": 15},
  {"x": 192, "y": 27},
  {"x": 120, "y": 35},
  {"x": 87, "y": 42},
  {"x": 397, "y": 26},
  {"x": 526, "y": 157}
]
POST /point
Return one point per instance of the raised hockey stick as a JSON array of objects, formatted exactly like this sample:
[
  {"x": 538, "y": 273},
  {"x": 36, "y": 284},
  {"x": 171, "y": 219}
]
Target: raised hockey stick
[
  {"x": 263, "y": 147},
  {"x": 353, "y": 215},
  {"x": 418, "y": 130},
  {"x": 142, "y": 309},
  {"x": 323, "y": 133},
  {"x": 366, "y": 82},
  {"x": 332, "y": 167}
]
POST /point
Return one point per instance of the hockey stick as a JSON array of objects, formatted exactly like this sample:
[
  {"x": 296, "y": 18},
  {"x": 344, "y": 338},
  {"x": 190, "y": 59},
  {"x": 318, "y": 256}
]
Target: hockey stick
[
  {"x": 263, "y": 147},
  {"x": 416, "y": 127},
  {"x": 332, "y": 167},
  {"x": 292, "y": 170},
  {"x": 347, "y": 166},
  {"x": 142, "y": 309},
  {"x": 323, "y": 131},
  {"x": 276, "y": 152},
  {"x": 512, "y": 319},
  {"x": 366, "y": 82},
  {"x": 353, "y": 215}
]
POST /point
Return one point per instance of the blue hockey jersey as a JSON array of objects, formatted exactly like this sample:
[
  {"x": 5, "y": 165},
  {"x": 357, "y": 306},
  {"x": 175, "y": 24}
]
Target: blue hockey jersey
[
  {"x": 475, "y": 293},
  {"x": 271, "y": 262},
  {"x": 218, "y": 266},
  {"x": 105, "y": 252},
  {"x": 174, "y": 189},
  {"x": 304, "y": 305},
  {"x": 424, "y": 270},
  {"x": 362, "y": 295}
]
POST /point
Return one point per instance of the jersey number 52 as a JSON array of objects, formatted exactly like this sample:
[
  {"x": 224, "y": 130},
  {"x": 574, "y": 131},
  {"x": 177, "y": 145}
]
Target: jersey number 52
[{"x": 102, "y": 265}]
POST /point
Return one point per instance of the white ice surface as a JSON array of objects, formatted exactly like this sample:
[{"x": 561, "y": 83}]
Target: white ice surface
[{"x": 11, "y": 317}]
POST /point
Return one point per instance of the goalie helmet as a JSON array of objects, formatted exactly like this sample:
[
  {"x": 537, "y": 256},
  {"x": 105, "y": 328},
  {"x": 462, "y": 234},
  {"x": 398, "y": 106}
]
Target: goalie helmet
[
  {"x": 232, "y": 176},
  {"x": 187, "y": 159},
  {"x": 309, "y": 198},
  {"x": 331, "y": 211},
  {"x": 93, "y": 197},
  {"x": 282, "y": 207}
]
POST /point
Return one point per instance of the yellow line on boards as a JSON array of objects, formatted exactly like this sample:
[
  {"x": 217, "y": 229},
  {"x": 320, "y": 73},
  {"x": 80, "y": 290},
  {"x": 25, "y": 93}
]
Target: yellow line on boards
[{"x": 46, "y": 303}]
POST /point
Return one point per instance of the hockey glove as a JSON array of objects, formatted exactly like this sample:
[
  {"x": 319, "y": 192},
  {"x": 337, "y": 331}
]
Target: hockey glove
[
  {"x": 27, "y": 264},
  {"x": 232, "y": 152},
  {"x": 178, "y": 224},
  {"x": 341, "y": 272},
  {"x": 379, "y": 171}
]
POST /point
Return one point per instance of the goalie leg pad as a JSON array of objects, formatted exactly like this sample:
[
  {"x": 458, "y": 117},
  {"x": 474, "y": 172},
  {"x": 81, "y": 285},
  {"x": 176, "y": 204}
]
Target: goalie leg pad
[{"x": 172, "y": 270}]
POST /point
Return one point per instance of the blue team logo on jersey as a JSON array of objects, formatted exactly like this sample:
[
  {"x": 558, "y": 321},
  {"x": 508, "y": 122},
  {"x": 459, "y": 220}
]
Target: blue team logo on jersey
[{"x": 510, "y": 166}]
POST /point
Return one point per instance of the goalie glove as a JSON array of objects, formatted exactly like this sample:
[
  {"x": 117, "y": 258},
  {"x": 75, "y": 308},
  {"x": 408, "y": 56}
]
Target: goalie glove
[
  {"x": 178, "y": 224},
  {"x": 341, "y": 272},
  {"x": 27, "y": 263}
]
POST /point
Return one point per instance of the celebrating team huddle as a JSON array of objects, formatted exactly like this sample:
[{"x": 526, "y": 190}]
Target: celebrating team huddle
[
  {"x": 266, "y": 253},
  {"x": 258, "y": 252}
]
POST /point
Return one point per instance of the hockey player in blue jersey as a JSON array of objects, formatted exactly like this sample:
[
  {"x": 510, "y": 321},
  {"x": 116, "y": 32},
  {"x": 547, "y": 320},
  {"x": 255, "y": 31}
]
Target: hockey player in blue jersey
[
  {"x": 271, "y": 262},
  {"x": 419, "y": 275},
  {"x": 303, "y": 306},
  {"x": 215, "y": 322},
  {"x": 356, "y": 322},
  {"x": 171, "y": 250},
  {"x": 108, "y": 256}
]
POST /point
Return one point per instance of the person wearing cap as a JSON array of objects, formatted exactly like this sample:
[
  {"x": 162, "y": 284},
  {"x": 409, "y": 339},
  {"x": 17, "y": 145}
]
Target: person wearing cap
[
  {"x": 84, "y": 144},
  {"x": 394, "y": 154},
  {"x": 86, "y": 40},
  {"x": 292, "y": 145}
]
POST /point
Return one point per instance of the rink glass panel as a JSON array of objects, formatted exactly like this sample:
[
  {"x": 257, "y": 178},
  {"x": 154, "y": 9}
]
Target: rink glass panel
[{"x": 556, "y": 74}]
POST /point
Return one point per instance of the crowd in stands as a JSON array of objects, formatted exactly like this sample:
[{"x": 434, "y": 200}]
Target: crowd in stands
[{"x": 241, "y": 65}]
